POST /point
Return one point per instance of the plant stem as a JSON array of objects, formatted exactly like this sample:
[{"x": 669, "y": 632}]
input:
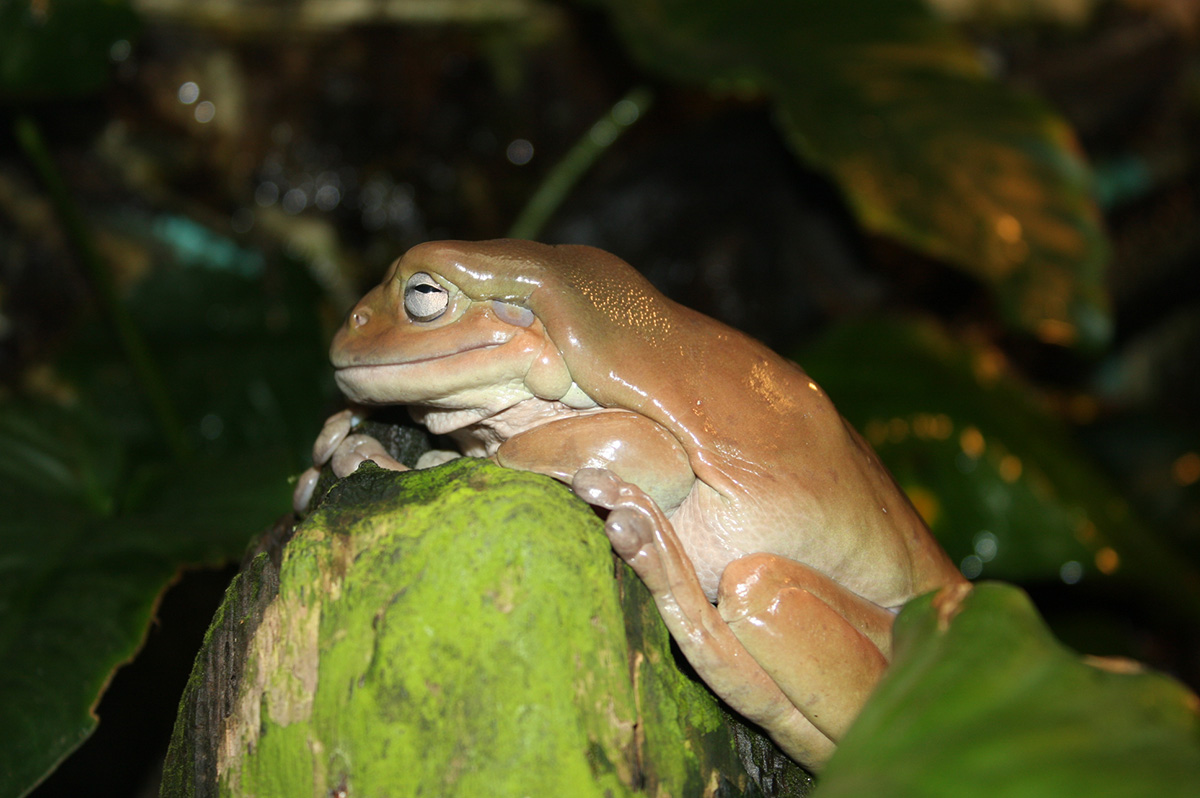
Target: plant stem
[
  {"x": 80, "y": 238},
  {"x": 567, "y": 172}
]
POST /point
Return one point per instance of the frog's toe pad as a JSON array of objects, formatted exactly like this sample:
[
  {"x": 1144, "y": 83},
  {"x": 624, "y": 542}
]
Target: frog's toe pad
[
  {"x": 435, "y": 457},
  {"x": 597, "y": 486},
  {"x": 630, "y": 531},
  {"x": 306, "y": 485},
  {"x": 336, "y": 428},
  {"x": 355, "y": 449}
]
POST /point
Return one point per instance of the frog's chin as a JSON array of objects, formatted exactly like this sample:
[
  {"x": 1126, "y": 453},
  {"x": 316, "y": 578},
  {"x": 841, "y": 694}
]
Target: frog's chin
[
  {"x": 480, "y": 379},
  {"x": 444, "y": 421}
]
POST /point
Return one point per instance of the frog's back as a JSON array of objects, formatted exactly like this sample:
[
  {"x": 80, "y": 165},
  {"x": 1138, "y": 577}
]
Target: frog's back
[{"x": 759, "y": 431}]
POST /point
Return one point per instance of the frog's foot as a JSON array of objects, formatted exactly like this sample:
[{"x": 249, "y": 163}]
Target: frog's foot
[
  {"x": 336, "y": 428},
  {"x": 344, "y": 453},
  {"x": 643, "y": 537},
  {"x": 435, "y": 457}
]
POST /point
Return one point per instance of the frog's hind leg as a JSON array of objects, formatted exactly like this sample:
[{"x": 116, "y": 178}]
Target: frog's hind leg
[
  {"x": 824, "y": 646},
  {"x": 643, "y": 537}
]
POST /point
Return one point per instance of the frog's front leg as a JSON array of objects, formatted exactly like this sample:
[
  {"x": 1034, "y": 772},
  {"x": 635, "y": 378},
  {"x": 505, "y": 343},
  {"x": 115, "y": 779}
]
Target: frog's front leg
[
  {"x": 787, "y": 659},
  {"x": 619, "y": 441}
]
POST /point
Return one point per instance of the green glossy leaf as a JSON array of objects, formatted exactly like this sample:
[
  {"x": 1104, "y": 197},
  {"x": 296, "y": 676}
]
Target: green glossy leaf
[
  {"x": 59, "y": 47},
  {"x": 981, "y": 700},
  {"x": 80, "y": 573},
  {"x": 926, "y": 146},
  {"x": 994, "y": 473}
]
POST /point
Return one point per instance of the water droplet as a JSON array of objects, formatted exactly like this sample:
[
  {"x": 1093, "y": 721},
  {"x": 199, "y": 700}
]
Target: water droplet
[
  {"x": 986, "y": 546},
  {"x": 205, "y": 111},
  {"x": 294, "y": 201},
  {"x": 1107, "y": 560},
  {"x": 267, "y": 194},
  {"x": 625, "y": 112},
  {"x": 188, "y": 93},
  {"x": 211, "y": 426},
  {"x": 327, "y": 197},
  {"x": 1186, "y": 469},
  {"x": 1071, "y": 572},
  {"x": 519, "y": 152},
  {"x": 972, "y": 443},
  {"x": 1008, "y": 228},
  {"x": 119, "y": 51}
]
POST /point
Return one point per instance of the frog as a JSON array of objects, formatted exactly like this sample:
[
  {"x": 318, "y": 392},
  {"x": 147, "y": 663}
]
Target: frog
[{"x": 775, "y": 544}]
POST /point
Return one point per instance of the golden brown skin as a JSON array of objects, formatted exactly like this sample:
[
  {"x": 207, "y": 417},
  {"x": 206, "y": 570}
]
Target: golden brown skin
[{"x": 728, "y": 473}]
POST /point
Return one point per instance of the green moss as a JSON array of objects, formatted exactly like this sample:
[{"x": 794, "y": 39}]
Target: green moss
[
  {"x": 459, "y": 631},
  {"x": 461, "y": 644}
]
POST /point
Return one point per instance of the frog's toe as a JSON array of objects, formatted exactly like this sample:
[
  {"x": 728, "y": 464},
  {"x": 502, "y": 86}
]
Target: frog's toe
[
  {"x": 632, "y": 535},
  {"x": 336, "y": 428},
  {"x": 597, "y": 486},
  {"x": 435, "y": 457},
  {"x": 305, "y": 485},
  {"x": 603, "y": 488},
  {"x": 352, "y": 451}
]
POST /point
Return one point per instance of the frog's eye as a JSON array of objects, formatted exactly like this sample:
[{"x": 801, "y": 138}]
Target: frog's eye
[{"x": 424, "y": 299}]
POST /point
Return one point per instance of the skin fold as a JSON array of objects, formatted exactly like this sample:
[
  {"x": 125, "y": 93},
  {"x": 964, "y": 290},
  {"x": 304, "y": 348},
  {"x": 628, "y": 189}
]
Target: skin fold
[{"x": 776, "y": 545}]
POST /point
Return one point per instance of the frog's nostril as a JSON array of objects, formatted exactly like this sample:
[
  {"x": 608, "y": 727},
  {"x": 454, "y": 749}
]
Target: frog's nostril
[{"x": 359, "y": 318}]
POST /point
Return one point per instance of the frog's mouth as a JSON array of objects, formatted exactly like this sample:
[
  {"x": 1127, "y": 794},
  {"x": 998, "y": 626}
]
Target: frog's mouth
[
  {"x": 350, "y": 364},
  {"x": 363, "y": 357}
]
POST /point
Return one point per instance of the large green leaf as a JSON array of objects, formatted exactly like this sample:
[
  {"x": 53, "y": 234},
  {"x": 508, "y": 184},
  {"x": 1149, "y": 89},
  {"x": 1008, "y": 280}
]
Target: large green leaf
[
  {"x": 996, "y": 475},
  {"x": 981, "y": 700},
  {"x": 926, "y": 146},
  {"x": 59, "y": 47},
  {"x": 80, "y": 574}
]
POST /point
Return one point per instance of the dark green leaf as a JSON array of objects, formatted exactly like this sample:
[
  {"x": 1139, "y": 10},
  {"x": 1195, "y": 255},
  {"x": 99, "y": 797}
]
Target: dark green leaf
[
  {"x": 981, "y": 700},
  {"x": 997, "y": 477},
  {"x": 925, "y": 144},
  {"x": 79, "y": 580},
  {"x": 59, "y": 47}
]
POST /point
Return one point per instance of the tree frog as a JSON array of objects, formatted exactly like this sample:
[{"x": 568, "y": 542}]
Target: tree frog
[{"x": 776, "y": 545}]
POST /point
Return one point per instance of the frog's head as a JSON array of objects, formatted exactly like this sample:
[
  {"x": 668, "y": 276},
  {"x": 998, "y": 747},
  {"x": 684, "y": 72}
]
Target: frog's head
[{"x": 450, "y": 327}]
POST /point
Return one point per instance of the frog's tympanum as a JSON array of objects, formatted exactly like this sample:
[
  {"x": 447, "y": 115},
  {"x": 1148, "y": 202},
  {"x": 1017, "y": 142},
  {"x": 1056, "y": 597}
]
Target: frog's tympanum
[{"x": 728, "y": 475}]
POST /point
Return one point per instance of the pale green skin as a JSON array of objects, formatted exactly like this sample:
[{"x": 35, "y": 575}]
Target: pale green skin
[
  {"x": 458, "y": 632},
  {"x": 564, "y": 360}
]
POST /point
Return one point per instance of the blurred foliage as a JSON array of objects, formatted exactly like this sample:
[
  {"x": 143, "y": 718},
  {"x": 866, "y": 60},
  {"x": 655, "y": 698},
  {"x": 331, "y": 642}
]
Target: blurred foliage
[
  {"x": 238, "y": 190},
  {"x": 994, "y": 473},
  {"x": 60, "y": 47},
  {"x": 925, "y": 144}
]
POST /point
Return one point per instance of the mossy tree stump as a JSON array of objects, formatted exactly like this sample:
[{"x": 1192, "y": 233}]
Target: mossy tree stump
[{"x": 456, "y": 631}]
